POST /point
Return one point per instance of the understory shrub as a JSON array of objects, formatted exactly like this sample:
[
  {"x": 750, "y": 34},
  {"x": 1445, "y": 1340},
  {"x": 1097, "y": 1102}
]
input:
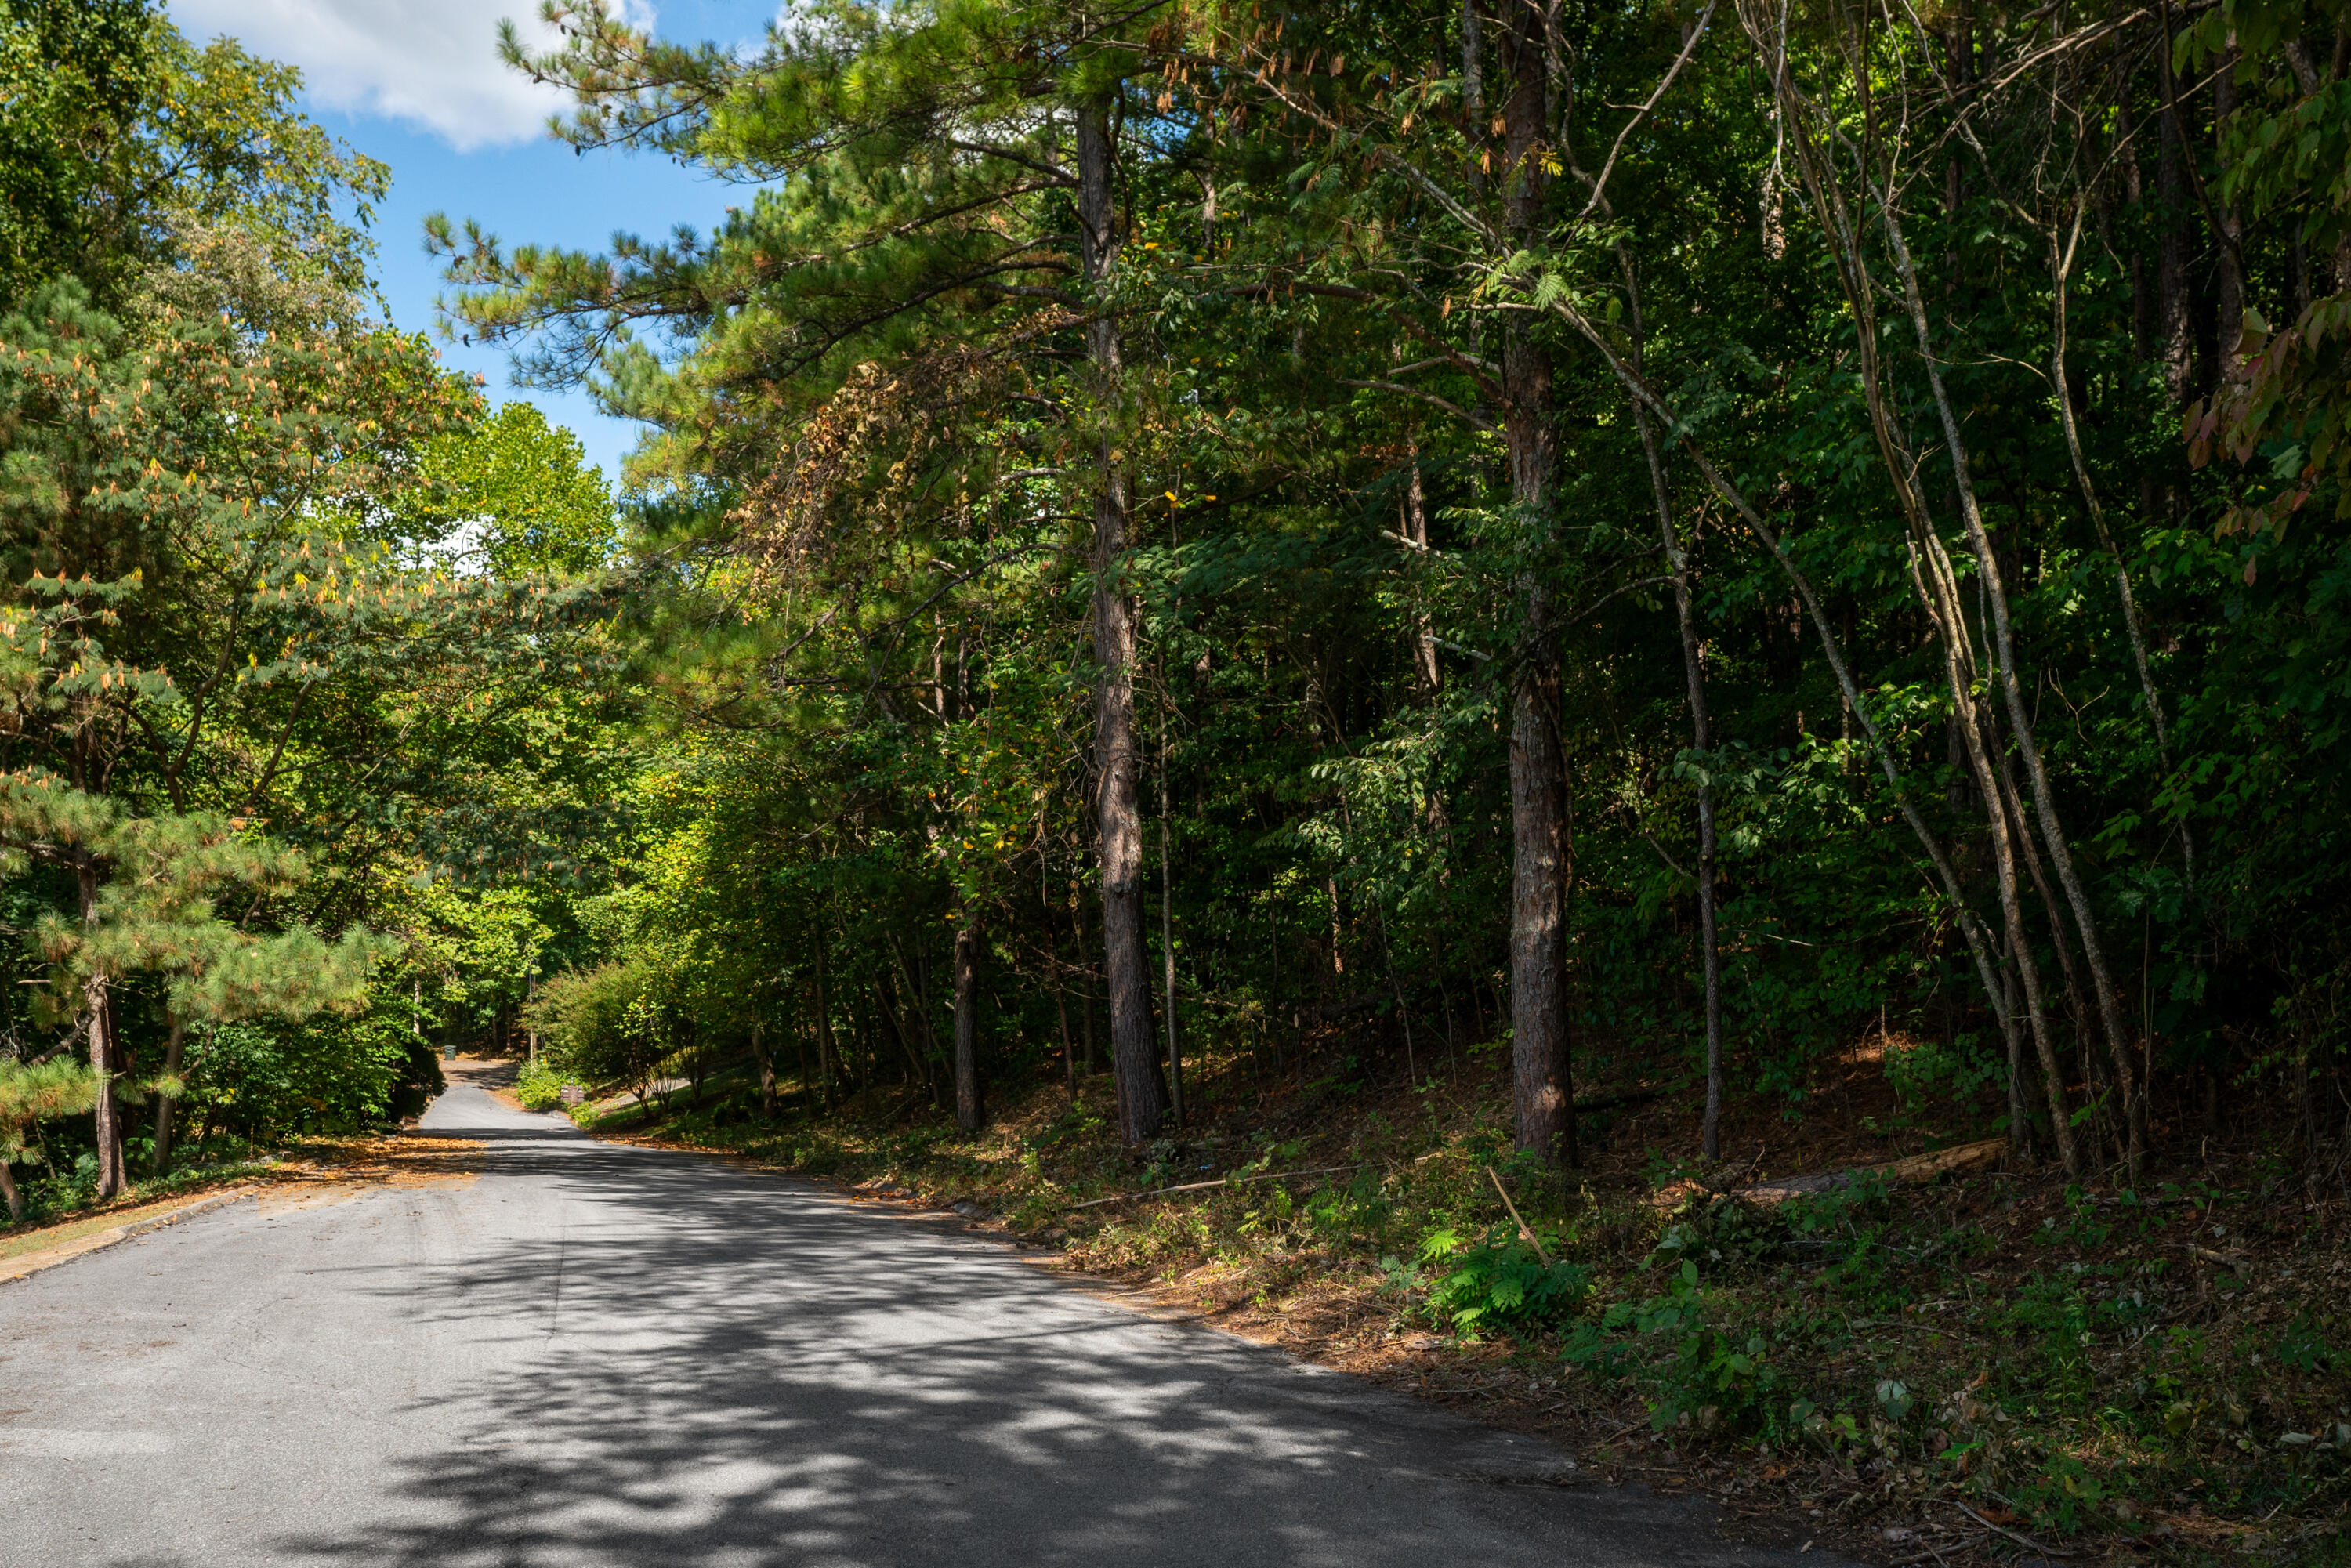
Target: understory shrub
[
  {"x": 1498, "y": 1282},
  {"x": 539, "y": 1087}
]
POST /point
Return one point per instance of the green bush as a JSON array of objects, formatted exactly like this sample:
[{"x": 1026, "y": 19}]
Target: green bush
[
  {"x": 266, "y": 1078},
  {"x": 541, "y": 1087}
]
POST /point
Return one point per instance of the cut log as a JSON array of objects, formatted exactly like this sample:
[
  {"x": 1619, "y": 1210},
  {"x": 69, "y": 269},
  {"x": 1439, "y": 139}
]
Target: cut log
[{"x": 1910, "y": 1170}]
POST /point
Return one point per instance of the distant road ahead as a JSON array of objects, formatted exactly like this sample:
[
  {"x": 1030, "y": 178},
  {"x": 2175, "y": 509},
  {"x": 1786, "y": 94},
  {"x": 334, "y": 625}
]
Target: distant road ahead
[{"x": 594, "y": 1355}]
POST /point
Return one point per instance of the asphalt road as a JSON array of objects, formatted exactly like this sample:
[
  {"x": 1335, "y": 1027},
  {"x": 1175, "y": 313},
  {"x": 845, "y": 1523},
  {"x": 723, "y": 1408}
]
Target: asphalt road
[{"x": 595, "y": 1355}]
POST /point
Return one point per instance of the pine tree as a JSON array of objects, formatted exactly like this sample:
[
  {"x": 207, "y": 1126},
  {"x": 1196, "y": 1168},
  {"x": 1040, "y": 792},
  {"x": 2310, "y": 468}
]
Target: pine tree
[
  {"x": 32, "y": 1092},
  {"x": 927, "y": 165}
]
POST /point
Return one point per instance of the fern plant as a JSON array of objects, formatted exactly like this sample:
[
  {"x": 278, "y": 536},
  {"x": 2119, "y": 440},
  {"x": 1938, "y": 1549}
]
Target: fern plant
[{"x": 1497, "y": 1281}]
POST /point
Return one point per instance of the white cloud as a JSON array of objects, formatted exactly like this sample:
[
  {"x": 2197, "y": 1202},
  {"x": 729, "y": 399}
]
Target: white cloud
[{"x": 433, "y": 63}]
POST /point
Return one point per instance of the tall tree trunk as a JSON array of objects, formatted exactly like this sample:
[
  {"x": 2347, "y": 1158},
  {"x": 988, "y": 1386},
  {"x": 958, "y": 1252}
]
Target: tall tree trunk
[
  {"x": 1694, "y": 678},
  {"x": 174, "y": 1048},
  {"x": 1167, "y": 930},
  {"x": 1085, "y": 980},
  {"x": 2174, "y": 323},
  {"x": 106, "y": 1114},
  {"x": 1061, "y": 1012},
  {"x": 2227, "y": 267},
  {"x": 971, "y": 1112},
  {"x": 1541, "y": 1089},
  {"x": 2019, "y": 718},
  {"x": 1426, "y": 673},
  {"x": 767, "y": 1061},
  {"x": 1142, "y": 1091},
  {"x": 827, "y": 1053}
]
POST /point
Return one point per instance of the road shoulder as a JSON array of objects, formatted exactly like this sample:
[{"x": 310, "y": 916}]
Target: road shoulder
[{"x": 101, "y": 1231}]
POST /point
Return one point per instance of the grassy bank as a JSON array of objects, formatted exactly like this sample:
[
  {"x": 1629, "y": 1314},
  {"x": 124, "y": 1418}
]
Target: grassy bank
[{"x": 57, "y": 1197}]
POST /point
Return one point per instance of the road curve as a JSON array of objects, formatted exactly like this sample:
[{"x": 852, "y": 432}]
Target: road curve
[{"x": 597, "y": 1355}]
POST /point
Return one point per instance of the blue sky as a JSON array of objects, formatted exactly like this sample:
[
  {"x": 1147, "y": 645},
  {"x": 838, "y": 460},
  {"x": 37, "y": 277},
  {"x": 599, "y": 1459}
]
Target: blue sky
[{"x": 416, "y": 83}]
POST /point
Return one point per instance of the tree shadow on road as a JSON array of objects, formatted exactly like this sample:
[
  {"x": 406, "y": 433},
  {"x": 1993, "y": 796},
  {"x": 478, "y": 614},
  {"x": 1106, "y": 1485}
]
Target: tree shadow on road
[{"x": 732, "y": 1367}]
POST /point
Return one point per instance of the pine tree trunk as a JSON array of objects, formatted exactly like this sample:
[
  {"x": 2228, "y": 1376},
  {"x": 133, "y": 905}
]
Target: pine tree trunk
[
  {"x": 9, "y": 1190},
  {"x": 1142, "y": 1091},
  {"x": 767, "y": 1069},
  {"x": 971, "y": 1112},
  {"x": 828, "y": 1053},
  {"x": 108, "y": 1114},
  {"x": 1167, "y": 934},
  {"x": 1062, "y": 1013},
  {"x": 2174, "y": 326},
  {"x": 2228, "y": 266},
  {"x": 1086, "y": 980},
  {"x": 1543, "y": 1100},
  {"x": 174, "y": 1048}
]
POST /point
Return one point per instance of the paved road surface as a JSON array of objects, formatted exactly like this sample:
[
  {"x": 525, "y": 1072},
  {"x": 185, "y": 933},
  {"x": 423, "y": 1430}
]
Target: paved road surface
[{"x": 601, "y": 1356}]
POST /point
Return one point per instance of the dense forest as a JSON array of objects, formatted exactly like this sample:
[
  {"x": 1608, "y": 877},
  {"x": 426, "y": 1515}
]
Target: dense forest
[
  {"x": 1201, "y": 573},
  {"x": 1668, "y": 539}
]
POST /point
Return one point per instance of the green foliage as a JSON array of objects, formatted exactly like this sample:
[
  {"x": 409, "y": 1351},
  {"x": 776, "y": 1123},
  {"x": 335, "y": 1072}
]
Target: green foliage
[
  {"x": 40, "y": 1092},
  {"x": 1498, "y": 1282},
  {"x": 252, "y": 706},
  {"x": 616, "y": 1025},
  {"x": 539, "y": 1086},
  {"x": 1700, "y": 1372},
  {"x": 518, "y": 491},
  {"x": 125, "y": 149},
  {"x": 335, "y": 1073},
  {"x": 67, "y": 71}
]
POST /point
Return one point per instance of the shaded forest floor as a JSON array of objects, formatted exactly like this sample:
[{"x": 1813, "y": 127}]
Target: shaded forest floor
[{"x": 1999, "y": 1366}]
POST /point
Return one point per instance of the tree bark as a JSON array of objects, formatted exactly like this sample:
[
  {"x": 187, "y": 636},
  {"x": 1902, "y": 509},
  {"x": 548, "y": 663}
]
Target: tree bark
[
  {"x": 2174, "y": 331},
  {"x": 1062, "y": 1013},
  {"x": 1541, "y": 1082},
  {"x": 1425, "y": 669},
  {"x": 1142, "y": 1091},
  {"x": 1168, "y": 931},
  {"x": 767, "y": 1068},
  {"x": 106, "y": 1114},
  {"x": 971, "y": 1111},
  {"x": 827, "y": 1053},
  {"x": 174, "y": 1048}
]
